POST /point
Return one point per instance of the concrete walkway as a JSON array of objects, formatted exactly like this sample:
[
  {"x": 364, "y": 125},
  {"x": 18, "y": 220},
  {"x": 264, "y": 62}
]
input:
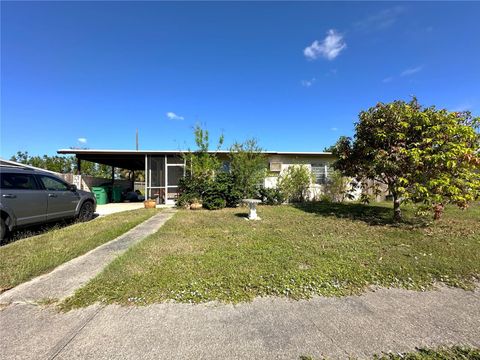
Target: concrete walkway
[
  {"x": 65, "y": 279},
  {"x": 113, "y": 208},
  {"x": 269, "y": 328}
]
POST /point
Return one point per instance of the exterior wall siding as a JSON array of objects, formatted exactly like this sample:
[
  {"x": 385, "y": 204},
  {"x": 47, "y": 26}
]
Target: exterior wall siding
[{"x": 316, "y": 190}]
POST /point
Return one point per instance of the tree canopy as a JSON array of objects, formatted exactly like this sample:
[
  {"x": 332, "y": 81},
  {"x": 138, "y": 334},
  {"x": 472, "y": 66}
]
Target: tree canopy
[
  {"x": 201, "y": 163},
  {"x": 63, "y": 164},
  {"x": 421, "y": 154},
  {"x": 247, "y": 166}
]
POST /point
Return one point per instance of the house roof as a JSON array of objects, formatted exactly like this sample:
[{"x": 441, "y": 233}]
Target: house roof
[
  {"x": 135, "y": 159},
  {"x": 177, "y": 152}
]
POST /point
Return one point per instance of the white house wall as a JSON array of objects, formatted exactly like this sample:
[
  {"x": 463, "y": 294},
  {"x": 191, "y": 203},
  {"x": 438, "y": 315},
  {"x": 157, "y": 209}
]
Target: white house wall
[{"x": 316, "y": 190}]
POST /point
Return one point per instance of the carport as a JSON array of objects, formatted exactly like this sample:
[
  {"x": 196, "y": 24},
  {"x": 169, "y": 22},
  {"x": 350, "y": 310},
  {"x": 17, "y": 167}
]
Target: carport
[{"x": 163, "y": 169}]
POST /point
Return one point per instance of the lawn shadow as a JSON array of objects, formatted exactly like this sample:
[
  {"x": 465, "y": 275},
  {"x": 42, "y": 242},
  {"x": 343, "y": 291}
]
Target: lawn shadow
[
  {"x": 33, "y": 230},
  {"x": 370, "y": 214},
  {"x": 241, "y": 215}
]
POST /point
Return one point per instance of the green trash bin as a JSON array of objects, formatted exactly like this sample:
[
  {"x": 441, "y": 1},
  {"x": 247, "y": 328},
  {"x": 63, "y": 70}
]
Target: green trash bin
[
  {"x": 101, "y": 194},
  {"x": 116, "y": 194}
]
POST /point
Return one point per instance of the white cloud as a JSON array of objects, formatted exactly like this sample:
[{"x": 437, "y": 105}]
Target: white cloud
[
  {"x": 404, "y": 73},
  {"x": 332, "y": 72},
  {"x": 380, "y": 20},
  {"x": 82, "y": 140},
  {"x": 411, "y": 71},
  {"x": 173, "y": 116},
  {"x": 334, "y": 129},
  {"x": 308, "y": 83},
  {"x": 329, "y": 48}
]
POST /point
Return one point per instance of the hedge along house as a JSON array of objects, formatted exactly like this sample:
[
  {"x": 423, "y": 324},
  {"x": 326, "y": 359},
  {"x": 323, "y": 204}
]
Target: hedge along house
[{"x": 164, "y": 169}]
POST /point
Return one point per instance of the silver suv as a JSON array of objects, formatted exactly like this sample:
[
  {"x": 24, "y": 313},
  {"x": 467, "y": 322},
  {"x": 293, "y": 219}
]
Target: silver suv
[{"x": 29, "y": 197}]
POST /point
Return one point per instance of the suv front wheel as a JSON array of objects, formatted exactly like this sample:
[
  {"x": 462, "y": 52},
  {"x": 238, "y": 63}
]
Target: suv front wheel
[
  {"x": 3, "y": 229},
  {"x": 86, "y": 211}
]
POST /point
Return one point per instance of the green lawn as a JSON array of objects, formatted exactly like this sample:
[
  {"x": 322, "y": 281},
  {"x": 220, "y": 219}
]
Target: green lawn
[
  {"x": 30, "y": 257},
  {"x": 452, "y": 353},
  {"x": 443, "y": 353},
  {"x": 324, "y": 249}
]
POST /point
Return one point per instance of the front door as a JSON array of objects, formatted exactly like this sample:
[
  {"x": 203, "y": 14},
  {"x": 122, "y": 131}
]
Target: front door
[
  {"x": 62, "y": 202},
  {"x": 175, "y": 173}
]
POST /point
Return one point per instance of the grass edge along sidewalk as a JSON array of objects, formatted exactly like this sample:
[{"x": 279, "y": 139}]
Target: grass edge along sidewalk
[{"x": 27, "y": 258}]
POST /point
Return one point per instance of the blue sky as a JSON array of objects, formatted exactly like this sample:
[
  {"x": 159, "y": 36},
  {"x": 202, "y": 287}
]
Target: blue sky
[{"x": 292, "y": 75}]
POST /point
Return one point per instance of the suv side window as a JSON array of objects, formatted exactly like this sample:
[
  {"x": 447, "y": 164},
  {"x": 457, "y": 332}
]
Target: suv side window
[
  {"x": 15, "y": 181},
  {"x": 53, "y": 184}
]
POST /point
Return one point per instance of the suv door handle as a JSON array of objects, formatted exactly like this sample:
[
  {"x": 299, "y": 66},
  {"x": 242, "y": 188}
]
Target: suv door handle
[
  {"x": 52, "y": 195},
  {"x": 9, "y": 196}
]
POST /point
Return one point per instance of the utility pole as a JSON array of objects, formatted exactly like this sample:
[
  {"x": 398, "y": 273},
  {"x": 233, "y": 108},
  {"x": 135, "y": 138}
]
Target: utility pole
[{"x": 136, "y": 138}]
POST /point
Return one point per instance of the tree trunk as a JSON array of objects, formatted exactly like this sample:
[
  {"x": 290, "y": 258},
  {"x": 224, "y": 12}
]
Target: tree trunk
[
  {"x": 437, "y": 211},
  {"x": 397, "y": 212}
]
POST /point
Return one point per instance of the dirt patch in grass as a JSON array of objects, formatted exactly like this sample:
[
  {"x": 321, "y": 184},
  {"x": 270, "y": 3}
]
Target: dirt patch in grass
[
  {"x": 27, "y": 258},
  {"x": 296, "y": 252}
]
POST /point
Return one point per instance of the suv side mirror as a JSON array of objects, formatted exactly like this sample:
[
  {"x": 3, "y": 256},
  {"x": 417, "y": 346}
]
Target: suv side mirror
[{"x": 73, "y": 188}]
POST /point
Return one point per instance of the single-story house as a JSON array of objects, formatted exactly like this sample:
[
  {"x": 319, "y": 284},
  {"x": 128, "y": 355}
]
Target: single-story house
[{"x": 164, "y": 169}]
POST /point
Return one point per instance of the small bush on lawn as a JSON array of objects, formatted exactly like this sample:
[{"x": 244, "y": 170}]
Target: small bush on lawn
[
  {"x": 271, "y": 196},
  {"x": 221, "y": 192},
  {"x": 247, "y": 166},
  {"x": 338, "y": 188},
  {"x": 214, "y": 203},
  {"x": 295, "y": 183},
  {"x": 186, "y": 199},
  {"x": 191, "y": 186},
  {"x": 216, "y": 193},
  {"x": 228, "y": 189},
  {"x": 215, "y": 189}
]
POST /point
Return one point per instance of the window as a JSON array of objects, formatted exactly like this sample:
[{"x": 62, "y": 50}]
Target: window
[
  {"x": 321, "y": 171},
  {"x": 275, "y": 166},
  {"x": 14, "y": 181},
  {"x": 53, "y": 184},
  {"x": 225, "y": 167}
]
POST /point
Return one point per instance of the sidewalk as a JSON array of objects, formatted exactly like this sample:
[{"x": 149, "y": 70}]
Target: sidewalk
[{"x": 268, "y": 328}]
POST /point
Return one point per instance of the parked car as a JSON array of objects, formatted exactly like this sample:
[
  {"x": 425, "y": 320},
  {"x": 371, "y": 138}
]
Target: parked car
[{"x": 29, "y": 197}]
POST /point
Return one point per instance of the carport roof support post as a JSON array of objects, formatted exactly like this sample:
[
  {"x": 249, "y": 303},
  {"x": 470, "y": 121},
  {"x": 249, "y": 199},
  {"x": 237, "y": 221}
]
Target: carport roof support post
[{"x": 79, "y": 166}]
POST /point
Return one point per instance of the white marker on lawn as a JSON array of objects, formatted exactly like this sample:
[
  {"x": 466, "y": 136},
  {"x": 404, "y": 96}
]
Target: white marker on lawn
[{"x": 252, "y": 205}]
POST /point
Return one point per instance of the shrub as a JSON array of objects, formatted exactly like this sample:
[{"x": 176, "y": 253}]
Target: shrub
[
  {"x": 208, "y": 191},
  {"x": 295, "y": 182},
  {"x": 212, "y": 202},
  {"x": 226, "y": 188},
  {"x": 247, "y": 166},
  {"x": 186, "y": 199},
  {"x": 203, "y": 164},
  {"x": 191, "y": 186},
  {"x": 271, "y": 196},
  {"x": 216, "y": 189},
  {"x": 338, "y": 188}
]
